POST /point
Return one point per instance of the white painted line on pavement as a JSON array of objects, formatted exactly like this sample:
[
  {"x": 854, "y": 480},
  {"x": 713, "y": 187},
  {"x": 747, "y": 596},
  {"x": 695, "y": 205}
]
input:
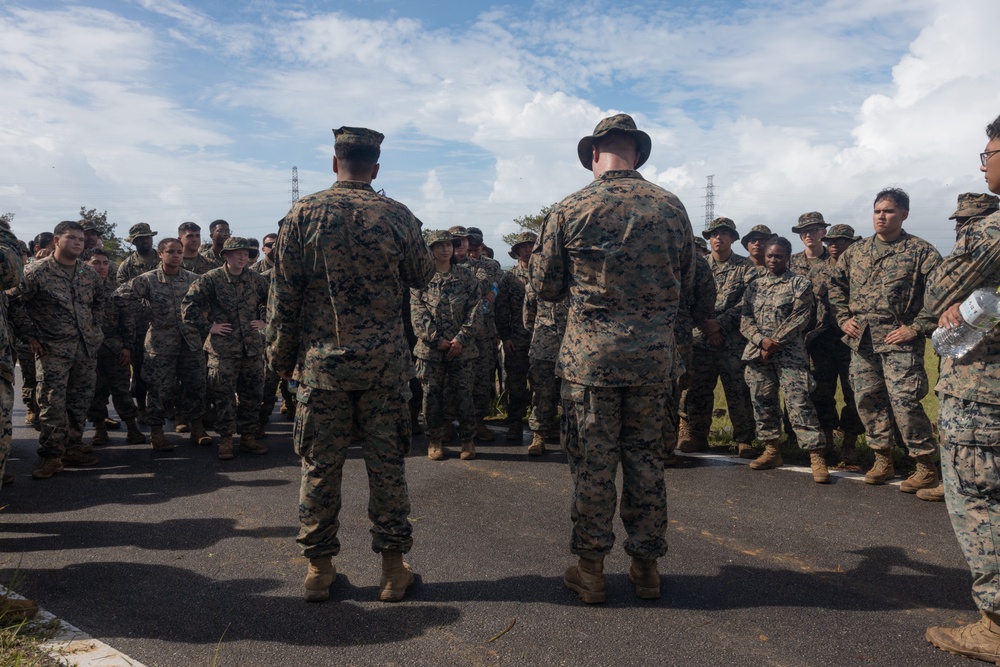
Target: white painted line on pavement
[{"x": 734, "y": 460}]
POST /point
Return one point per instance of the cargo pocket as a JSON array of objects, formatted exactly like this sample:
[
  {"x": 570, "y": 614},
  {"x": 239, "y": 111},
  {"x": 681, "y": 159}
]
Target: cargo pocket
[{"x": 304, "y": 430}]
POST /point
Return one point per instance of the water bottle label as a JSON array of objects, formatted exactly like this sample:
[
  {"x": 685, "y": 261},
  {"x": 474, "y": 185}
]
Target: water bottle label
[{"x": 974, "y": 314}]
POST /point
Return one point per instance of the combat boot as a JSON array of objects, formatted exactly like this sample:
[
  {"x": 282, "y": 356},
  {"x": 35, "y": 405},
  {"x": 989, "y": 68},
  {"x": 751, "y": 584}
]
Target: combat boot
[
  {"x": 688, "y": 442},
  {"x": 849, "y": 449},
  {"x": 226, "y": 447},
  {"x": 158, "y": 439},
  {"x": 924, "y": 477},
  {"x": 483, "y": 432},
  {"x": 15, "y": 612},
  {"x": 100, "y": 434},
  {"x": 817, "y": 462},
  {"x": 435, "y": 452},
  {"x": 249, "y": 443},
  {"x": 112, "y": 424},
  {"x": 935, "y": 495},
  {"x": 319, "y": 578},
  {"x": 75, "y": 457},
  {"x": 746, "y": 451},
  {"x": 586, "y": 579},
  {"x": 31, "y": 417},
  {"x": 516, "y": 431},
  {"x": 980, "y": 641},
  {"x": 771, "y": 458},
  {"x": 47, "y": 467},
  {"x": 135, "y": 436},
  {"x": 646, "y": 578},
  {"x": 882, "y": 471},
  {"x": 198, "y": 434},
  {"x": 261, "y": 431},
  {"x": 468, "y": 450},
  {"x": 181, "y": 426},
  {"x": 396, "y": 577},
  {"x": 537, "y": 446}
]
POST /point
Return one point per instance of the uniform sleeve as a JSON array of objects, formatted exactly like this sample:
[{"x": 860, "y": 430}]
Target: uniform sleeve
[
  {"x": 729, "y": 316},
  {"x": 417, "y": 267},
  {"x": 960, "y": 274},
  {"x": 193, "y": 307},
  {"x": 549, "y": 266},
  {"x": 288, "y": 285},
  {"x": 530, "y": 310},
  {"x": 926, "y": 320},
  {"x": 504, "y": 308},
  {"x": 21, "y": 323},
  {"x": 840, "y": 286},
  {"x": 802, "y": 312},
  {"x": 423, "y": 323},
  {"x": 473, "y": 316},
  {"x": 748, "y": 320},
  {"x": 11, "y": 263},
  {"x": 703, "y": 300}
]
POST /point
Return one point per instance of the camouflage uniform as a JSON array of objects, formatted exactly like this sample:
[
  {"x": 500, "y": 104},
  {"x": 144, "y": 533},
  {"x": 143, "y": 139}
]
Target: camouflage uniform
[
  {"x": 64, "y": 314},
  {"x": 448, "y": 308},
  {"x": 262, "y": 265},
  {"x": 132, "y": 266},
  {"x": 622, "y": 249},
  {"x": 113, "y": 377},
  {"x": 175, "y": 363},
  {"x": 882, "y": 289},
  {"x": 198, "y": 264},
  {"x": 780, "y": 307},
  {"x": 11, "y": 273},
  {"x": 969, "y": 393},
  {"x": 234, "y": 360},
  {"x": 545, "y": 321},
  {"x": 489, "y": 273},
  {"x": 346, "y": 257},
  {"x": 510, "y": 326},
  {"x": 207, "y": 253}
]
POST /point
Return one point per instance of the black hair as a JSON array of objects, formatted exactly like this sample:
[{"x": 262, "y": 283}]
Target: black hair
[
  {"x": 65, "y": 226},
  {"x": 162, "y": 245},
  {"x": 781, "y": 242},
  {"x": 43, "y": 240},
  {"x": 356, "y": 157},
  {"x": 188, "y": 227},
  {"x": 993, "y": 129},
  {"x": 896, "y": 196},
  {"x": 216, "y": 223},
  {"x": 90, "y": 252}
]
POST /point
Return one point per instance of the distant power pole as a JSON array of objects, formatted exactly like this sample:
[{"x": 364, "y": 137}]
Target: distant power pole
[
  {"x": 295, "y": 184},
  {"x": 710, "y": 201}
]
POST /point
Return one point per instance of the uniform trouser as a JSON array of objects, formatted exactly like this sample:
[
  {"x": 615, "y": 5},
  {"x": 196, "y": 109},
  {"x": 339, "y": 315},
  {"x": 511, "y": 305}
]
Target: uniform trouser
[
  {"x": 176, "y": 380},
  {"x": 447, "y": 382},
  {"x": 850, "y": 421},
  {"x": 65, "y": 389},
  {"x": 518, "y": 395},
  {"x": 970, "y": 458},
  {"x": 483, "y": 377},
  {"x": 29, "y": 386},
  {"x": 708, "y": 365},
  {"x": 888, "y": 387},
  {"x": 680, "y": 383},
  {"x": 764, "y": 381},
  {"x": 323, "y": 424},
  {"x": 545, "y": 386},
  {"x": 230, "y": 378},
  {"x": 138, "y": 388},
  {"x": 603, "y": 426},
  {"x": 6, "y": 408},
  {"x": 269, "y": 394},
  {"x": 112, "y": 380}
]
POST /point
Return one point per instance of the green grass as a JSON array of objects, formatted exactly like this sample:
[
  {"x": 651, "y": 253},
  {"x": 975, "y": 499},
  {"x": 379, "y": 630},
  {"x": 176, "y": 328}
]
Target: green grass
[{"x": 21, "y": 645}]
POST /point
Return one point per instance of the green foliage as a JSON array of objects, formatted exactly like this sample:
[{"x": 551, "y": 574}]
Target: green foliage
[
  {"x": 7, "y": 217},
  {"x": 113, "y": 244},
  {"x": 531, "y": 223}
]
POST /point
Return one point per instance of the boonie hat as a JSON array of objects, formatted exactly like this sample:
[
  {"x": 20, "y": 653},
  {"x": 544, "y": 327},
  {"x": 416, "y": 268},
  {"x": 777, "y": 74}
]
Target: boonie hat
[
  {"x": 618, "y": 123},
  {"x": 521, "y": 239},
  {"x": 974, "y": 204},
  {"x": 841, "y": 232},
  {"x": 721, "y": 223},
  {"x": 757, "y": 232},
  {"x": 807, "y": 220},
  {"x": 137, "y": 230}
]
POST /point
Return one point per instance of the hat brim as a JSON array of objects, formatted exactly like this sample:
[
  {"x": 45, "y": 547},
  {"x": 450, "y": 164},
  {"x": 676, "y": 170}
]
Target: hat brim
[
  {"x": 971, "y": 212},
  {"x": 754, "y": 235},
  {"x": 799, "y": 230},
  {"x": 129, "y": 239},
  {"x": 838, "y": 237},
  {"x": 707, "y": 233},
  {"x": 585, "y": 149},
  {"x": 513, "y": 249}
]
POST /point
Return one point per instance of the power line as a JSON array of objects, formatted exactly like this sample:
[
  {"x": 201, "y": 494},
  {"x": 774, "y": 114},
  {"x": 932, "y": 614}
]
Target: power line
[
  {"x": 710, "y": 201},
  {"x": 295, "y": 184}
]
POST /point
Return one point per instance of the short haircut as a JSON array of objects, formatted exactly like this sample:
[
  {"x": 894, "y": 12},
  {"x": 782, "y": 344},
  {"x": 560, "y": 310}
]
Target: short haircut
[
  {"x": 272, "y": 235},
  {"x": 65, "y": 226},
  {"x": 216, "y": 223},
  {"x": 43, "y": 240},
  {"x": 162, "y": 245},
  {"x": 90, "y": 252},
  {"x": 615, "y": 141},
  {"x": 993, "y": 129},
  {"x": 896, "y": 195},
  {"x": 356, "y": 156},
  {"x": 781, "y": 242},
  {"x": 188, "y": 227}
]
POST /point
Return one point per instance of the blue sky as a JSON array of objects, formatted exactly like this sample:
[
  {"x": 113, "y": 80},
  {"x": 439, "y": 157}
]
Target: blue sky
[{"x": 164, "y": 111}]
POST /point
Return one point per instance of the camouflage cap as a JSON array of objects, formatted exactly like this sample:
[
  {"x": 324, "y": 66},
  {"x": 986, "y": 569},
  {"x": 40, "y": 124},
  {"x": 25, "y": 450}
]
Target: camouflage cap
[
  {"x": 458, "y": 231},
  {"x": 89, "y": 226},
  {"x": 807, "y": 220},
  {"x": 973, "y": 204},
  {"x": 439, "y": 236},
  {"x": 721, "y": 223},
  {"x": 757, "y": 232},
  {"x": 360, "y": 136},
  {"x": 618, "y": 123},
  {"x": 521, "y": 239},
  {"x": 701, "y": 243},
  {"x": 254, "y": 249},
  {"x": 841, "y": 233},
  {"x": 238, "y": 243},
  {"x": 139, "y": 229}
]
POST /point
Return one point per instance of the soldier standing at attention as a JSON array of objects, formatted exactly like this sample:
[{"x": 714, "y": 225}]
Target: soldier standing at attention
[
  {"x": 218, "y": 232},
  {"x": 756, "y": 242},
  {"x": 189, "y": 234},
  {"x": 58, "y": 310},
  {"x": 718, "y": 349},
  {"x": 969, "y": 393},
  {"x": 235, "y": 300},
  {"x": 877, "y": 294},
  {"x": 516, "y": 340},
  {"x": 622, "y": 248},
  {"x": 142, "y": 260},
  {"x": 446, "y": 317},
  {"x": 345, "y": 258}
]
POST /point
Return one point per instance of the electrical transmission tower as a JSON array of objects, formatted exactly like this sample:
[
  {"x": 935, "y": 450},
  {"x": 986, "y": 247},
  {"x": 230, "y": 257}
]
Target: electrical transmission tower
[
  {"x": 295, "y": 184},
  {"x": 710, "y": 201}
]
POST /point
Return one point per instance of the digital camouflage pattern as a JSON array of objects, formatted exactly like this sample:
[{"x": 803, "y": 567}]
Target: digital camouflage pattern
[
  {"x": 11, "y": 273},
  {"x": 136, "y": 265},
  {"x": 235, "y": 387},
  {"x": 510, "y": 327},
  {"x": 694, "y": 310},
  {"x": 545, "y": 321},
  {"x": 207, "y": 253},
  {"x": 489, "y": 273},
  {"x": 234, "y": 300},
  {"x": 113, "y": 377},
  {"x": 199, "y": 264},
  {"x": 447, "y": 388}
]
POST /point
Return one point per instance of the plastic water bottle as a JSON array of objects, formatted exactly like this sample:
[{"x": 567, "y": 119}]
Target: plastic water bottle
[
  {"x": 980, "y": 313},
  {"x": 486, "y": 304}
]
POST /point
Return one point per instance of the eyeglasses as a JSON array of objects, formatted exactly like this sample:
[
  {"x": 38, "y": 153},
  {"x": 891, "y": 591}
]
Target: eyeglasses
[
  {"x": 985, "y": 157},
  {"x": 812, "y": 231},
  {"x": 269, "y": 245}
]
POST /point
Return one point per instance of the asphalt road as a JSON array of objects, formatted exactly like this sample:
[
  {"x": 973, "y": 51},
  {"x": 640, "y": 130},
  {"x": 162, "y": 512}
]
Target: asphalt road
[{"x": 179, "y": 559}]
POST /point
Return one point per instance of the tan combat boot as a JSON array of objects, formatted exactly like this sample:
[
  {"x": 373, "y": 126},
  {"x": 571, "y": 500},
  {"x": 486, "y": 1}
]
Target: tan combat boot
[
  {"x": 468, "y": 450},
  {"x": 537, "y": 446},
  {"x": 135, "y": 436},
  {"x": 687, "y": 441},
  {"x": 396, "y": 577},
  {"x": 15, "y": 612},
  {"x": 158, "y": 439},
  {"x": 771, "y": 458},
  {"x": 646, "y": 578},
  {"x": 31, "y": 417},
  {"x": 882, "y": 471},
  {"x": 516, "y": 431},
  {"x": 483, "y": 432},
  {"x": 817, "y": 463},
  {"x": 924, "y": 477},
  {"x": 248, "y": 443},
  {"x": 319, "y": 578},
  {"x": 181, "y": 426},
  {"x": 100, "y": 434},
  {"x": 980, "y": 641},
  {"x": 198, "y": 434},
  {"x": 75, "y": 457},
  {"x": 849, "y": 449},
  {"x": 47, "y": 467},
  {"x": 935, "y": 495},
  {"x": 435, "y": 452},
  {"x": 226, "y": 447},
  {"x": 586, "y": 579},
  {"x": 746, "y": 451}
]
